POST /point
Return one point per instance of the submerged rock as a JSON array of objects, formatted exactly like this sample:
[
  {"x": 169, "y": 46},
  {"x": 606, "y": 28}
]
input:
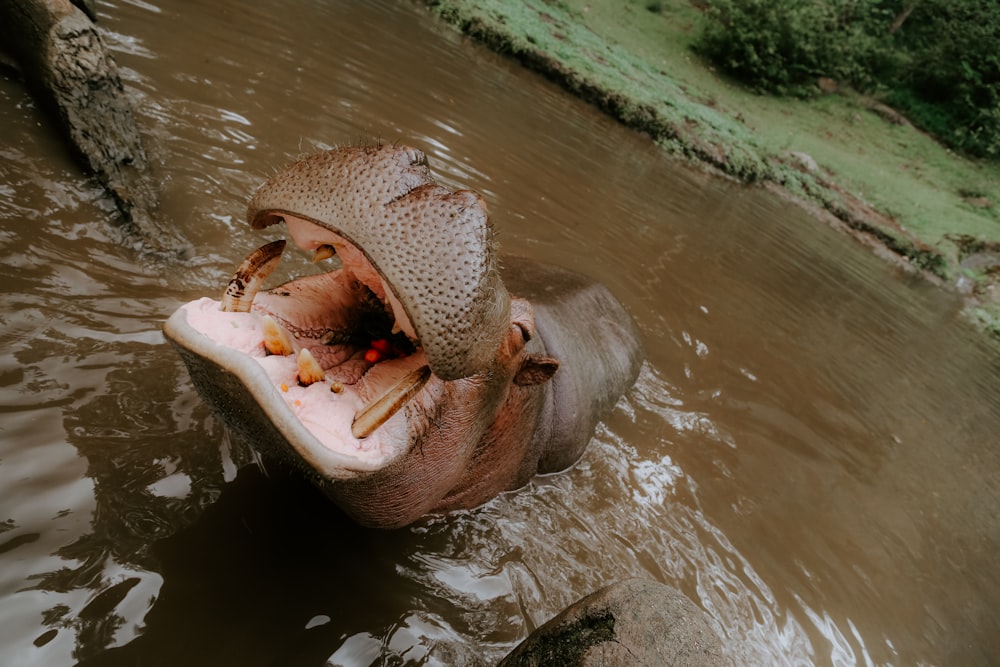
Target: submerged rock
[{"x": 633, "y": 622}]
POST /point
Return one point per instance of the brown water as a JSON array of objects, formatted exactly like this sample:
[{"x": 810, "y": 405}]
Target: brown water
[{"x": 810, "y": 452}]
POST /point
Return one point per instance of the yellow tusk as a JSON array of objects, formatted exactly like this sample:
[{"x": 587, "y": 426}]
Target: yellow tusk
[
  {"x": 380, "y": 410},
  {"x": 246, "y": 282},
  {"x": 325, "y": 251},
  {"x": 277, "y": 340},
  {"x": 310, "y": 371}
]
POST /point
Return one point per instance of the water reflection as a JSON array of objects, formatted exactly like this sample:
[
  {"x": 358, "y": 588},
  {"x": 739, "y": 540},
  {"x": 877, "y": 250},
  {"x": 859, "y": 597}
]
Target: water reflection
[{"x": 271, "y": 568}]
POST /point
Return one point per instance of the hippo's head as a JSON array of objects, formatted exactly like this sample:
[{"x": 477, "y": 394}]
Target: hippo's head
[
  {"x": 427, "y": 252},
  {"x": 383, "y": 376}
]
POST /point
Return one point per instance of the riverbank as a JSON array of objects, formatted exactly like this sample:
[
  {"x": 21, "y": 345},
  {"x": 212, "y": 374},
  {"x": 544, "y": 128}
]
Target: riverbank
[{"x": 853, "y": 161}]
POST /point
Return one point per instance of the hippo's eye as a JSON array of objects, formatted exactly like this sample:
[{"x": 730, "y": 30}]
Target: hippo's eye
[{"x": 525, "y": 331}]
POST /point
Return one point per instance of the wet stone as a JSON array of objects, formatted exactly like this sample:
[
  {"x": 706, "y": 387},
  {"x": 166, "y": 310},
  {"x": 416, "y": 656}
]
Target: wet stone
[{"x": 633, "y": 622}]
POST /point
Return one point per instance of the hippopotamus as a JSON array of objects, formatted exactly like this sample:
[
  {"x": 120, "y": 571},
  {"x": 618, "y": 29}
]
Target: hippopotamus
[{"x": 424, "y": 374}]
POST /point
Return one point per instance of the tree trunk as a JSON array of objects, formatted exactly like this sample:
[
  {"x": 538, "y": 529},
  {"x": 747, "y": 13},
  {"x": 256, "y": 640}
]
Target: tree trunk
[
  {"x": 900, "y": 19},
  {"x": 74, "y": 80}
]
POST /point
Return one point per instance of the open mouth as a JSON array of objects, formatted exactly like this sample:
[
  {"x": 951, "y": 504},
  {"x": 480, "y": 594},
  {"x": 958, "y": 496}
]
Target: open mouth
[
  {"x": 340, "y": 368},
  {"x": 407, "y": 380},
  {"x": 333, "y": 347}
]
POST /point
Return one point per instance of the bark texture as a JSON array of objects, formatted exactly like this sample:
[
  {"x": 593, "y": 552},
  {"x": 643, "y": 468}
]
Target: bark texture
[{"x": 70, "y": 73}]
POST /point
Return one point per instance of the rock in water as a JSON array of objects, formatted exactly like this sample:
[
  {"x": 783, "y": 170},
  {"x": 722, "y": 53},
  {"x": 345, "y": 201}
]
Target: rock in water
[{"x": 630, "y": 623}]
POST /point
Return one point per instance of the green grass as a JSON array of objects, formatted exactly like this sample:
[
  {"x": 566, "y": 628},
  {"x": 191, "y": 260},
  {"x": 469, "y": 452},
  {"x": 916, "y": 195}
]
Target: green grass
[{"x": 638, "y": 65}]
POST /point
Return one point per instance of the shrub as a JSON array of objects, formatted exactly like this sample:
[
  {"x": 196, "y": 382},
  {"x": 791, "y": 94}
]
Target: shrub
[
  {"x": 937, "y": 60},
  {"x": 949, "y": 80},
  {"x": 784, "y": 46}
]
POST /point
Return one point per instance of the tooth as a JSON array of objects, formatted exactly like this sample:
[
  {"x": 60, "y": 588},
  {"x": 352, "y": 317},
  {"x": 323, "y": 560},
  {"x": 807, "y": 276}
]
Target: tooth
[
  {"x": 276, "y": 339},
  {"x": 310, "y": 371},
  {"x": 380, "y": 410},
  {"x": 246, "y": 282},
  {"x": 395, "y": 328},
  {"x": 325, "y": 251}
]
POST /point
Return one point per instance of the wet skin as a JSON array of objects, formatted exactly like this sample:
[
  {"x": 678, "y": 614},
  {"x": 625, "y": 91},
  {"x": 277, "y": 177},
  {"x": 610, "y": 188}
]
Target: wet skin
[{"x": 497, "y": 370}]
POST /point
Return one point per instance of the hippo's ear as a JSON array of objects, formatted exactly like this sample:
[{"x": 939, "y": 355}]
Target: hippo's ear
[{"x": 535, "y": 369}]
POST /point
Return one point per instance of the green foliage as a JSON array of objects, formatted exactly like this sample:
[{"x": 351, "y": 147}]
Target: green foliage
[
  {"x": 948, "y": 79},
  {"x": 937, "y": 60},
  {"x": 784, "y": 46}
]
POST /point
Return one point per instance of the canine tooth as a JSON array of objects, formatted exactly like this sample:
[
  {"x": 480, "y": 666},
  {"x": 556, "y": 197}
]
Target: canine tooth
[
  {"x": 249, "y": 276},
  {"x": 395, "y": 328},
  {"x": 309, "y": 369},
  {"x": 325, "y": 251},
  {"x": 381, "y": 409},
  {"x": 277, "y": 340}
]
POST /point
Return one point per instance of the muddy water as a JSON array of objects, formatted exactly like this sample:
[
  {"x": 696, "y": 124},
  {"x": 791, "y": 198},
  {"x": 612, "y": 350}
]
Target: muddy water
[{"x": 810, "y": 453}]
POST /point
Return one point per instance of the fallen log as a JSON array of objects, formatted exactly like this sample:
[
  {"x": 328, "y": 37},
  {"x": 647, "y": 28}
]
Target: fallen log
[{"x": 75, "y": 81}]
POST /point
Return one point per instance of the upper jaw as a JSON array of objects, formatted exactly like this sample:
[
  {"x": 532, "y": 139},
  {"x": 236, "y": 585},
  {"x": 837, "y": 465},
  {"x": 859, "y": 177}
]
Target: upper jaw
[
  {"x": 433, "y": 249},
  {"x": 310, "y": 237}
]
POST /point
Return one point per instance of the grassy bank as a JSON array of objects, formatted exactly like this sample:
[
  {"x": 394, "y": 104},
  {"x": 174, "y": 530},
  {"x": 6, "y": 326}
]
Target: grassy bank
[{"x": 879, "y": 178}]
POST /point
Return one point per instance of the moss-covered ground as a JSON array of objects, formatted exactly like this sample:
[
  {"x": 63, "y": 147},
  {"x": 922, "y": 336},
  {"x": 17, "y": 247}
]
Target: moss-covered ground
[{"x": 888, "y": 183}]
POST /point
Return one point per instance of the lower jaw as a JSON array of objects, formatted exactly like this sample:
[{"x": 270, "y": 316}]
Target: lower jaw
[{"x": 327, "y": 407}]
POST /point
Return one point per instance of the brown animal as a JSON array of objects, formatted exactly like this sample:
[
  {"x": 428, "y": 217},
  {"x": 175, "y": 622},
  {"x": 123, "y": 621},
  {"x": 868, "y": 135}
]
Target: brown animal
[{"x": 408, "y": 381}]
